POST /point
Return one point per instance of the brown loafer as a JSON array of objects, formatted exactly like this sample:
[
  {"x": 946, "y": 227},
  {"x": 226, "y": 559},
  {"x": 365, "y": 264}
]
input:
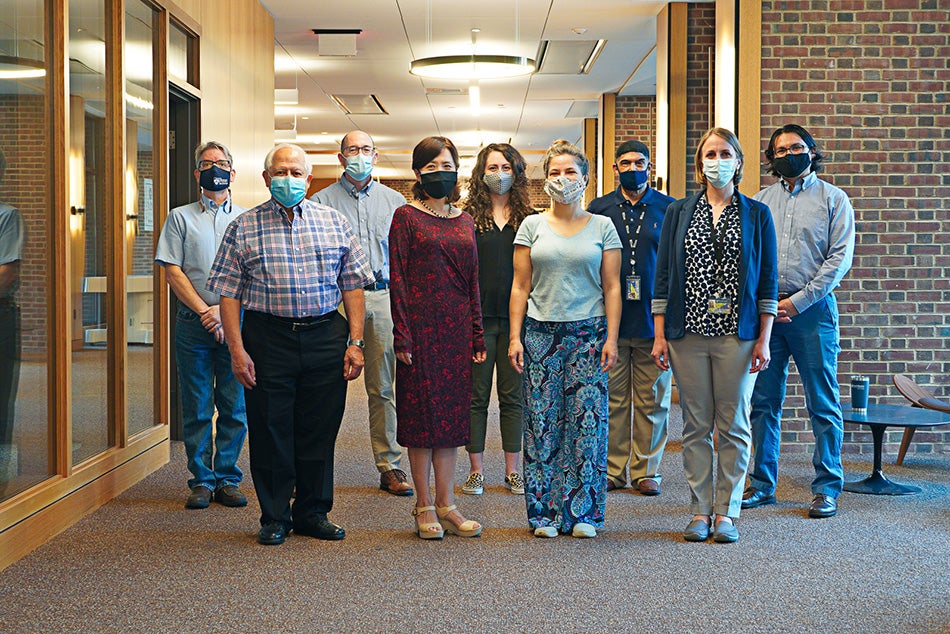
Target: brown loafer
[
  {"x": 647, "y": 486},
  {"x": 395, "y": 482},
  {"x": 611, "y": 485}
]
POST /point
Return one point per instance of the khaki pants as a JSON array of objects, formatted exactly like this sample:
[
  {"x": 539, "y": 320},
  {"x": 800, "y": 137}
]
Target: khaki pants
[{"x": 642, "y": 443}]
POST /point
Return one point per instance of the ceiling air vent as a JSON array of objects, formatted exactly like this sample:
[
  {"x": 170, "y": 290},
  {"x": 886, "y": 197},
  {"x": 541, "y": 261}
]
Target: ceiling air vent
[
  {"x": 568, "y": 57},
  {"x": 359, "y": 104}
]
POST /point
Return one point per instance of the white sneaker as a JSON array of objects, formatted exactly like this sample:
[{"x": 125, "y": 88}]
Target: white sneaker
[
  {"x": 514, "y": 483},
  {"x": 475, "y": 484},
  {"x": 582, "y": 529},
  {"x": 545, "y": 531}
]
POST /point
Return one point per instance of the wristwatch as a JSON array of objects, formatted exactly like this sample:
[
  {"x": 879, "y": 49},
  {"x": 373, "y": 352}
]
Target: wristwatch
[{"x": 355, "y": 342}]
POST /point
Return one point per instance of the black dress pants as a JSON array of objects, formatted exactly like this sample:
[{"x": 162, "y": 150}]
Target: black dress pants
[
  {"x": 9, "y": 369},
  {"x": 294, "y": 412}
]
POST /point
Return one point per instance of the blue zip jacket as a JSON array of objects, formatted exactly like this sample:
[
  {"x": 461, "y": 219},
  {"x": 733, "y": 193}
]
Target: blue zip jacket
[{"x": 758, "y": 266}]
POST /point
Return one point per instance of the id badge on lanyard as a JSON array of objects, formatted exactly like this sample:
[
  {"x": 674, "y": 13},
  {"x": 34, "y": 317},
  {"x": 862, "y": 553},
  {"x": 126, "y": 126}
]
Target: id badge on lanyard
[{"x": 633, "y": 287}]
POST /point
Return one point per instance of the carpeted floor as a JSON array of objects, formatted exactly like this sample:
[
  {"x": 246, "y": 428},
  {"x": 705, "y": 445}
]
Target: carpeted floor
[{"x": 143, "y": 563}]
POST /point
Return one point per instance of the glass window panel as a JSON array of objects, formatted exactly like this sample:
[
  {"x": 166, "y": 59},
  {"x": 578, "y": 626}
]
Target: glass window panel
[
  {"x": 178, "y": 49},
  {"x": 139, "y": 212},
  {"x": 89, "y": 325},
  {"x": 24, "y": 249}
]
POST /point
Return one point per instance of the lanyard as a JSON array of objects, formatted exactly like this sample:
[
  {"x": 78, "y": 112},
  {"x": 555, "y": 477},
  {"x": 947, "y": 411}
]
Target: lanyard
[
  {"x": 719, "y": 240},
  {"x": 633, "y": 239}
]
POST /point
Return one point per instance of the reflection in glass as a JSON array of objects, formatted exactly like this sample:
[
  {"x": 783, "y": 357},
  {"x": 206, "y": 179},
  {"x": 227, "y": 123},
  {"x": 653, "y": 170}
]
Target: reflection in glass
[
  {"x": 139, "y": 212},
  {"x": 87, "y": 229},
  {"x": 24, "y": 250}
]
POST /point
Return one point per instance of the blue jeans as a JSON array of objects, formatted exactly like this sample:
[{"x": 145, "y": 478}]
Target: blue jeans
[
  {"x": 205, "y": 383},
  {"x": 811, "y": 339}
]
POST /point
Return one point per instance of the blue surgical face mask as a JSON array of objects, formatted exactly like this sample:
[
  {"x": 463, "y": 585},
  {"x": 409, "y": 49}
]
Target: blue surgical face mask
[
  {"x": 214, "y": 179},
  {"x": 719, "y": 172},
  {"x": 359, "y": 166},
  {"x": 287, "y": 190},
  {"x": 633, "y": 180}
]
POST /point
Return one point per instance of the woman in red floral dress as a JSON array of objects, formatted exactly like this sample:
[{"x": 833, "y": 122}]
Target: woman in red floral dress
[{"x": 437, "y": 327}]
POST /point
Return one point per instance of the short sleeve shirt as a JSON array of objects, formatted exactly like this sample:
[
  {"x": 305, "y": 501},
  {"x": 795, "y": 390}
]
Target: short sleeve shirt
[{"x": 565, "y": 271}]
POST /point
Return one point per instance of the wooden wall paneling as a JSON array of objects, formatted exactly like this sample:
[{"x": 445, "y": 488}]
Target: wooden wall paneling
[
  {"x": 606, "y": 133},
  {"x": 50, "y": 520},
  {"x": 680, "y": 168},
  {"x": 60, "y": 282},
  {"x": 750, "y": 92},
  {"x": 76, "y": 238},
  {"x": 589, "y": 147},
  {"x": 161, "y": 346},
  {"x": 115, "y": 221},
  {"x": 263, "y": 102}
]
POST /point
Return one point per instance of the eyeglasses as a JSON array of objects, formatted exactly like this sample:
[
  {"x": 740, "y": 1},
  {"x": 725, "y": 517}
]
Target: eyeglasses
[
  {"x": 350, "y": 150},
  {"x": 797, "y": 148},
  {"x": 225, "y": 165}
]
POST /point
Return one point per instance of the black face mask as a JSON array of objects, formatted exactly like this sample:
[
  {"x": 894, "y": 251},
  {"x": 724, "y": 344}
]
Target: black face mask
[
  {"x": 439, "y": 184},
  {"x": 214, "y": 179},
  {"x": 791, "y": 165}
]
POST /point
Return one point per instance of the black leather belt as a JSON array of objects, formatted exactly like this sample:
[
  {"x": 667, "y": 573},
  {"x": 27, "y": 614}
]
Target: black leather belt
[
  {"x": 376, "y": 286},
  {"x": 782, "y": 296},
  {"x": 297, "y": 324}
]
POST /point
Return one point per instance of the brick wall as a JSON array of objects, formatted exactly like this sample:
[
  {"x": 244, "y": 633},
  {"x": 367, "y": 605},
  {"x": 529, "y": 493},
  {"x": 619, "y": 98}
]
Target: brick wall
[
  {"x": 700, "y": 41},
  {"x": 870, "y": 81},
  {"x": 143, "y": 247},
  {"x": 23, "y": 137}
]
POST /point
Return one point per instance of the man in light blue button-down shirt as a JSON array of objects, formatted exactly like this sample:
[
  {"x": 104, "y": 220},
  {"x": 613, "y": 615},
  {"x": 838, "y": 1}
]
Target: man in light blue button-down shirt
[
  {"x": 369, "y": 206},
  {"x": 186, "y": 248},
  {"x": 814, "y": 226}
]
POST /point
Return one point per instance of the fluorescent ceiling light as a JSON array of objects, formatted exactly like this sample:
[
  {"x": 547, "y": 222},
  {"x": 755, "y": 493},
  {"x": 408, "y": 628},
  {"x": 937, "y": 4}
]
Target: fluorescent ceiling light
[
  {"x": 472, "y": 67},
  {"x": 20, "y": 68}
]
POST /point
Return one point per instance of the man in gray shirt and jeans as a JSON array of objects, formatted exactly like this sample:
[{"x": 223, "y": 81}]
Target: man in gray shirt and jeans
[
  {"x": 186, "y": 249},
  {"x": 369, "y": 207},
  {"x": 814, "y": 227}
]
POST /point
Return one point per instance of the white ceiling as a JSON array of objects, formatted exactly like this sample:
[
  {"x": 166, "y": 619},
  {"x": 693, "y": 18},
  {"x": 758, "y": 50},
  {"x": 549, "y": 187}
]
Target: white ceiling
[{"x": 528, "y": 112}]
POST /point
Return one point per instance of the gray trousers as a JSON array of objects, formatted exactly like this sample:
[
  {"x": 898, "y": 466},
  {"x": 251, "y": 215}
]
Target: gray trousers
[{"x": 712, "y": 375}]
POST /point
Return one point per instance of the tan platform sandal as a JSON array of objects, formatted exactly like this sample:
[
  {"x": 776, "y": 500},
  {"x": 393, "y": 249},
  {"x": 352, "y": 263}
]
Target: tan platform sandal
[
  {"x": 468, "y": 528},
  {"x": 428, "y": 530}
]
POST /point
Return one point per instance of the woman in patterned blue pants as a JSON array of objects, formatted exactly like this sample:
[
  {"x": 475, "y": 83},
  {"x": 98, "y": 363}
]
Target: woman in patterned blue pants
[{"x": 566, "y": 300}]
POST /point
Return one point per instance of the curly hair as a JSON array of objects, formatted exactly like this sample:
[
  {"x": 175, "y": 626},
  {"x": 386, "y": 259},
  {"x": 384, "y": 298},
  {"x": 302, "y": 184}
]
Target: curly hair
[{"x": 478, "y": 202}]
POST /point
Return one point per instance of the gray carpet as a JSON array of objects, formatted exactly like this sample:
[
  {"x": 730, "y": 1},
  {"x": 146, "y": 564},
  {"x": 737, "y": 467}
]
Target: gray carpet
[{"x": 143, "y": 563}]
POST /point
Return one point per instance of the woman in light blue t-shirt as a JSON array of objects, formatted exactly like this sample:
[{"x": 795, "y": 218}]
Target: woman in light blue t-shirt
[{"x": 565, "y": 299}]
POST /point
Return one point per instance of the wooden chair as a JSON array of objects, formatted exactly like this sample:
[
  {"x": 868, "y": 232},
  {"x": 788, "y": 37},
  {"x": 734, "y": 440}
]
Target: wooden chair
[{"x": 919, "y": 397}]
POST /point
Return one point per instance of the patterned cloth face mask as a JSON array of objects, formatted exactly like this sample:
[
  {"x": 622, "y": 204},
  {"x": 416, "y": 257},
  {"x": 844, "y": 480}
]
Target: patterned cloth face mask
[
  {"x": 498, "y": 182},
  {"x": 565, "y": 190}
]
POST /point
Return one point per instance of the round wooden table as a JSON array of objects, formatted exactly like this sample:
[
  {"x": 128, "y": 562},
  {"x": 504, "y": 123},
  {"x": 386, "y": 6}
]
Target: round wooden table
[{"x": 879, "y": 418}]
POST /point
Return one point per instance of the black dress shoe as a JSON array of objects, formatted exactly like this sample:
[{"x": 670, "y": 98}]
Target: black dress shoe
[
  {"x": 272, "y": 534},
  {"x": 823, "y": 506},
  {"x": 753, "y": 498},
  {"x": 321, "y": 528}
]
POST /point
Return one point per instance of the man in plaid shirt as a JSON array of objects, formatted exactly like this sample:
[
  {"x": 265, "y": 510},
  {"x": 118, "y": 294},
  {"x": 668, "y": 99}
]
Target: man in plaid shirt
[{"x": 288, "y": 263}]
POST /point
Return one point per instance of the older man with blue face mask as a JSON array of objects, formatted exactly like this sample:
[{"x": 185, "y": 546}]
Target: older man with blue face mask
[{"x": 288, "y": 263}]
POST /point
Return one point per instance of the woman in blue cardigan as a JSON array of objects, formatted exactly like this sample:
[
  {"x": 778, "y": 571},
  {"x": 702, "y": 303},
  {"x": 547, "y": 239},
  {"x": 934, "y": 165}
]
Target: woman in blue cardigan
[{"x": 715, "y": 298}]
